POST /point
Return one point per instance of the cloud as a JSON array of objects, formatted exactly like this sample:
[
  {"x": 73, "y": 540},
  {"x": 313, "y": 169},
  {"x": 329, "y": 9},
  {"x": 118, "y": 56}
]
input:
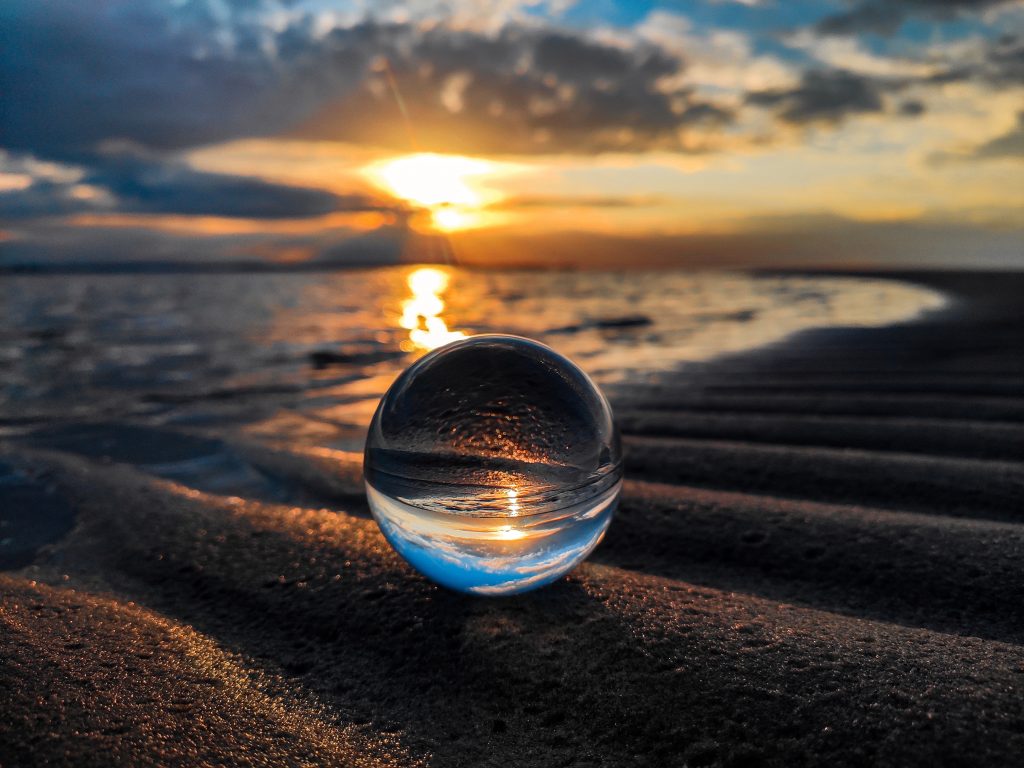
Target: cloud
[
  {"x": 168, "y": 77},
  {"x": 164, "y": 76},
  {"x": 716, "y": 59},
  {"x": 823, "y": 95},
  {"x": 139, "y": 247},
  {"x": 998, "y": 62},
  {"x": 912, "y": 108},
  {"x": 524, "y": 89},
  {"x": 885, "y": 17},
  {"x": 853, "y": 55},
  {"x": 130, "y": 184},
  {"x": 852, "y": 80},
  {"x": 167, "y": 187},
  {"x": 46, "y": 198},
  {"x": 1010, "y": 144}
]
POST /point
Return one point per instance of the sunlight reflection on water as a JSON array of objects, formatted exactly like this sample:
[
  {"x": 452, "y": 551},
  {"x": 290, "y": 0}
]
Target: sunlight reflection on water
[
  {"x": 421, "y": 313},
  {"x": 619, "y": 326},
  {"x": 74, "y": 342}
]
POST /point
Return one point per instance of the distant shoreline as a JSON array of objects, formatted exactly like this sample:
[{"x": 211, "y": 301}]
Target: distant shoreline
[{"x": 259, "y": 267}]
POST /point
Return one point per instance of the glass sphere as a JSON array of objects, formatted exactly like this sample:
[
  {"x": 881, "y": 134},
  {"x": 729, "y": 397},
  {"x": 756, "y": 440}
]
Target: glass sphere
[{"x": 493, "y": 465}]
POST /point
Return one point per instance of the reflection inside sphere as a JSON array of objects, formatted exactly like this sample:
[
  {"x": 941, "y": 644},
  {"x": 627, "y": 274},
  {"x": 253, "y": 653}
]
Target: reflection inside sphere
[{"x": 493, "y": 465}]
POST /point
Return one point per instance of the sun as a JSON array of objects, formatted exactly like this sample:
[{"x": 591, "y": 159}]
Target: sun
[
  {"x": 432, "y": 180},
  {"x": 453, "y": 188}
]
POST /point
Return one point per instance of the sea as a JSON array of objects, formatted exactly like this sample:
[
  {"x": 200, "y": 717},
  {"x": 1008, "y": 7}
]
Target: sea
[{"x": 204, "y": 348}]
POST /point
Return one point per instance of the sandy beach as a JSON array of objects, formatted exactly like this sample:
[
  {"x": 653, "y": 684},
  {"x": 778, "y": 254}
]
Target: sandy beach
[{"x": 817, "y": 561}]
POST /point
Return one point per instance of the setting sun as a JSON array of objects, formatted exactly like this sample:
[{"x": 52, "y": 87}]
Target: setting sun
[
  {"x": 452, "y": 187},
  {"x": 432, "y": 180}
]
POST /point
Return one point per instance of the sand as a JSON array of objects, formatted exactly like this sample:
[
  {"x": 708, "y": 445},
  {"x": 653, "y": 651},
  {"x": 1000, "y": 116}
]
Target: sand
[{"x": 819, "y": 560}]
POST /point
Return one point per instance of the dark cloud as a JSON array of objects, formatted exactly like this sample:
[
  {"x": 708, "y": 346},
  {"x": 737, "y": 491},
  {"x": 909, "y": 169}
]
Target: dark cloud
[
  {"x": 880, "y": 17},
  {"x": 912, "y": 108},
  {"x": 830, "y": 95},
  {"x": 581, "y": 61},
  {"x": 55, "y": 245},
  {"x": 998, "y": 62},
  {"x": 174, "y": 76},
  {"x": 168, "y": 76},
  {"x": 132, "y": 185},
  {"x": 885, "y": 17},
  {"x": 165, "y": 76},
  {"x": 1005, "y": 60},
  {"x": 43, "y": 198},
  {"x": 523, "y": 90},
  {"x": 823, "y": 95},
  {"x": 147, "y": 187}
]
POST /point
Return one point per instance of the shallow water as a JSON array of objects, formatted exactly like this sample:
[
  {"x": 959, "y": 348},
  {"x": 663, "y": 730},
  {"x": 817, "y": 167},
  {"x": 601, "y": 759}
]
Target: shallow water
[
  {"x": 114, "y": 346},
  {"x": 262, "y": 385}
]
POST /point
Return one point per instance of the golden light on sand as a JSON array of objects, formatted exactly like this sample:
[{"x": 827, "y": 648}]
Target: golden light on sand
[
  {"x": 453, "y": 188},
  {"x": 421, "y": 312}
]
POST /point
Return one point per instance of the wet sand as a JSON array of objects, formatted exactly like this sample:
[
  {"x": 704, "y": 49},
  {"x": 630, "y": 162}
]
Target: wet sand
[{"x": 819, "y": 560}]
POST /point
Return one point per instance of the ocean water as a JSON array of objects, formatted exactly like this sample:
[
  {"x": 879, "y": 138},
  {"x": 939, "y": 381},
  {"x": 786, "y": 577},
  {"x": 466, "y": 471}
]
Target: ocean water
[{"x": 201, "y": 350}]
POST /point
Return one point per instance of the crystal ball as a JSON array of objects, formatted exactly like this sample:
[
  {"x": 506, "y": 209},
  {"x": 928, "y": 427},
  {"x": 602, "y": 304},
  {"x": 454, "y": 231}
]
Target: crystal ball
[{"x": 493, "y": 465}]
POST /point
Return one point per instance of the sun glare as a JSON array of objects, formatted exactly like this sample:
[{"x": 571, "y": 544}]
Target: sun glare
[
  {"x": 451, "y": 187},
  {"x": 431, "y": 180},
  {"x": 450, "y": 219}
]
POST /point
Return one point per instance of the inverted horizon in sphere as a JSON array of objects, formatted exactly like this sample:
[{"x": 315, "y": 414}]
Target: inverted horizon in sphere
[{"x": 493, "y": 465}]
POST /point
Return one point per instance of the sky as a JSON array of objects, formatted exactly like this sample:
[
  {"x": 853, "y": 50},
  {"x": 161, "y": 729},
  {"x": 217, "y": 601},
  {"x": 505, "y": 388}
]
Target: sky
[{"x": 731, "y": 133}]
